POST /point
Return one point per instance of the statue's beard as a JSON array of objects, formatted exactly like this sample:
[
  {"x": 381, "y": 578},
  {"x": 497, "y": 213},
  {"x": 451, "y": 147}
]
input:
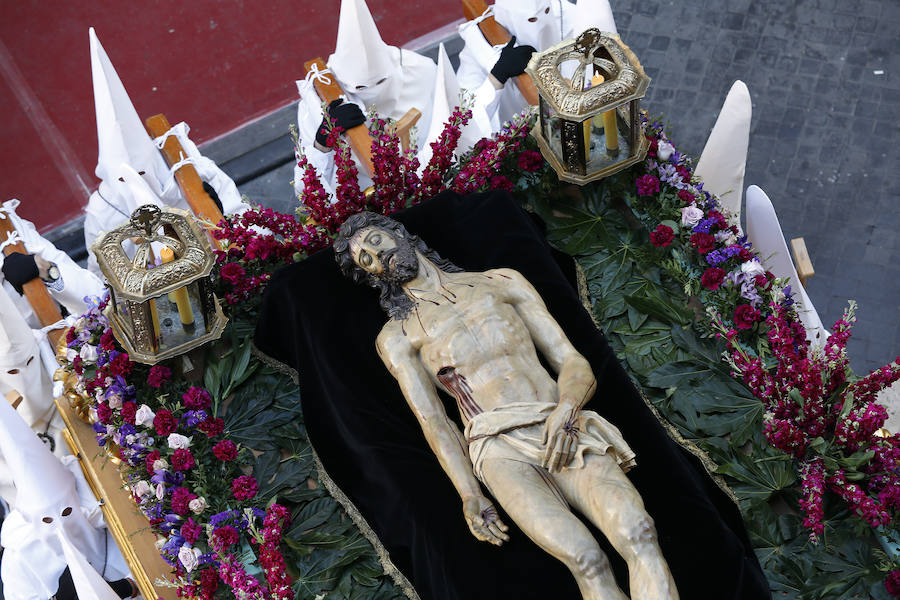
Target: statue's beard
[{"x": 400, "y": 264}]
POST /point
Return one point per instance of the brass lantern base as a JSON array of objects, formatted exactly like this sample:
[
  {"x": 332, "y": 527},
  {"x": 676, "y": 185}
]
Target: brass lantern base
[
  {"x": 214, "y": 331},
  {"x": 565, "y": 175}
]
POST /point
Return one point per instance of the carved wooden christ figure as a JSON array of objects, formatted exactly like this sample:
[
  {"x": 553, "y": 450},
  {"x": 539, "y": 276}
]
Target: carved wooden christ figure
[{"x": 526, "y": 438}]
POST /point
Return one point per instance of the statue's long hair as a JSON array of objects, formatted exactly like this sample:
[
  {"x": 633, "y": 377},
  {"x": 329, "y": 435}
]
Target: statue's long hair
[{"x": 392, "y": 298}]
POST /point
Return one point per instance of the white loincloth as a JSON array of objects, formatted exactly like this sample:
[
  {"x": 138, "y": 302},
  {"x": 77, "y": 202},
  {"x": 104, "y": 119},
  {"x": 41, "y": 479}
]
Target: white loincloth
[{"x": 520, "y": 425}]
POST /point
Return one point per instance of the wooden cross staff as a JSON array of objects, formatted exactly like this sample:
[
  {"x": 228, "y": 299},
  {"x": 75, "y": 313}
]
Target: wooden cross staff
[
  {"x": 44, "y": 306},
  {"x": 496, "y": 35},
  {"x": 187, "y": 177}
]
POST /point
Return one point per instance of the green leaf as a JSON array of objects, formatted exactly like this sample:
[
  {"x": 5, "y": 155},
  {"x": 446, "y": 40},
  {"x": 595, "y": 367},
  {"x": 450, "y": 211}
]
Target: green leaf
[{"x": 761, "y": 477}]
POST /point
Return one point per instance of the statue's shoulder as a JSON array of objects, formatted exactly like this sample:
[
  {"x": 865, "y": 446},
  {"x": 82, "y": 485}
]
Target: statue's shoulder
[
  {"x": 516, "y": 286},
  {"x": 392, "y": 339}
]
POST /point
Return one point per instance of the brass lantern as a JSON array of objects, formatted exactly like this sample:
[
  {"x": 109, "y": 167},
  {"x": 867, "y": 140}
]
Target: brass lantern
[
  {"x": 589, "y": 123},
  {"x": 161, "y": 300}
]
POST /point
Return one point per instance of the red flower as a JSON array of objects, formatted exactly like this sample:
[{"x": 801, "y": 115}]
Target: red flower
[
  {"x": 654, "y": 147},
  {"x": 224, "y": 537},
  {"x": 892, "y": 583},
  {"x": 182, "y": 459},
  {"x": 191, "y": 531},
  {"x": 164, "y": 422},
  {"x": 70, "y": 335},
  {"x": 107, "y": 340},
  {"x": 721, "y": 222},
  {"x": 684, "y": 172},
  {"x": 195, "y": 398},
  {"x": 209, "y": 582},
  {"x": 703, "y": 242},
  {"x": 662, "y": 236},
  {"x": 158, "y": 376},
  {"x": 530, "y": 160},
  {"x": 150, "y": 459},
  {"x": 212, "y": 427},
  {"x": 685, "y": 196},
  {"x": 225, "y": 450},
  {"x": 501, "y": 182},
  {"x": 232, "y": 273},
  {"x": 181, "y": 497},
  {"x": 745, "y": 316},
  {"x": 104, "y": 413},
  {"x": 647, "y": 185},
  {"x": 77, "y": 365},
  {"x": 128, "y": 411},
  {"x": 761, "y": 281},
  {"x": 119, "y": 365},
  {"x": 712, "y": 278},
  {"x": 244, "y": 487}
]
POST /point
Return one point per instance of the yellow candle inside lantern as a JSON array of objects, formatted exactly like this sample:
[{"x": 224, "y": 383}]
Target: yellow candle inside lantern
[
  {"x": 181, "y": 294},
  {"x": 610, "y": 127},
  {"x": 590, "y": 123},
  {"x": 154, "y": 314}
]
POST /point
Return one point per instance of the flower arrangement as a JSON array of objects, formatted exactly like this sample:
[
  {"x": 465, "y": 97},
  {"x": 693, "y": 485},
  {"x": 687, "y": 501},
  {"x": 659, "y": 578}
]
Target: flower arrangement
[{"x": 183, "y": 472}]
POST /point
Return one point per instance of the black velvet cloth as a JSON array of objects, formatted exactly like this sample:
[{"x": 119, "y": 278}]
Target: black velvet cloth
[{"x": 319, "y": 323}]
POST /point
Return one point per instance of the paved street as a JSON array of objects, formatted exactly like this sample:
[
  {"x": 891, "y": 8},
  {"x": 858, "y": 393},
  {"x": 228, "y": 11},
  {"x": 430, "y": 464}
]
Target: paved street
[{"x": 824, "y": 76}]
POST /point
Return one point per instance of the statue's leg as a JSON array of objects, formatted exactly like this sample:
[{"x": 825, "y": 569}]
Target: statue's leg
[
  {"x": 602, "y": 492},
  {"x": 527, "y": 493}
]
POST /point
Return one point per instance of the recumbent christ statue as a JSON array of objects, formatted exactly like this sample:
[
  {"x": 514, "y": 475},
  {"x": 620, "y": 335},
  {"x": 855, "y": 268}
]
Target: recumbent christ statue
[{"x": 527, "y": 439}]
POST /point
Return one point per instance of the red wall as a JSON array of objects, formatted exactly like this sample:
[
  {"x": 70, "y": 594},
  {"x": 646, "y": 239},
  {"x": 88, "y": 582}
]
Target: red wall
[{"x": 213, "y": 64}]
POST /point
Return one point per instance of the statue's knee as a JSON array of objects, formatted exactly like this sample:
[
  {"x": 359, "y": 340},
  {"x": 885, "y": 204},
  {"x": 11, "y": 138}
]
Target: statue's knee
[
  {"x": 591, "y": 563},
  {"x": 641, "y": 531}
]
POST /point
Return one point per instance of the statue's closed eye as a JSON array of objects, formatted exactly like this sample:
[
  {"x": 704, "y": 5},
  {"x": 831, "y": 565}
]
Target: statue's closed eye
[{"x": 365, "y": 259}]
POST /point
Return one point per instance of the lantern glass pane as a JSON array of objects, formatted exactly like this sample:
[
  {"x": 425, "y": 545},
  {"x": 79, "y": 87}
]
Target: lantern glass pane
[
  {"x": 172, "y": 332},
  {"x": 552, "y": 129},
  {"x": 600, "y": 155}
]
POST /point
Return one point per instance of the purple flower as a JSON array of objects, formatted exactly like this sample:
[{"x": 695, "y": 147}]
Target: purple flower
[{"x": 193, "y": 417}]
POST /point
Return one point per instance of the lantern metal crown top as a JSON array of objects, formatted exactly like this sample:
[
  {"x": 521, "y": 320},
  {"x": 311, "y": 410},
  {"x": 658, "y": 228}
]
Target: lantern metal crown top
[
  {"x": 133, "y": 278},
  {"x": 625, "y": 78}
]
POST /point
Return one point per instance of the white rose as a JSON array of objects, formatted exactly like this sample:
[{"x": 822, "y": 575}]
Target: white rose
[
  {"x": 140, "y": 489},
  {"x": 189, "y": 557},
  {"x": 144, "y": 416},
  {"x": 160, "y": 491},
  {"x": 691, "y": 215},
  {"x": 115, "y": 401},
  {"x": 664, "y": 150},
  {"x": 88, "y": 354},
  {"x": 71, "y": 354},
  {"x": 197, "y": 505},
  {"x": 176, "y": 440},
  {"x": 159, "y": 543},
  {"x": 160, "y": 464},
  {"x": 752, "y": 267}
]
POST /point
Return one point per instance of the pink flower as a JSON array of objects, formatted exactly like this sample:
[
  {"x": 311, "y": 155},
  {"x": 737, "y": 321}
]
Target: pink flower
[
  {"x": 225, "y": 450},
  {"x": 232, "y": 273},
  {"x": 164, "y": 422},
  {"x": 191, "y": 531},
  {"x": 182, "y": 459},
  {"x": 892, "y": 583},
  {"x": 104, "y": 412},
  {"x": 501, "y": 182},
  {"x": 128, "y": 411},
  {"x": 712, "y": 278},
  {"x": 181, "y": 497},
  {"x": 647, "y": 185},
  {"x": 686, "y": 197},
  {"x": 150, "y": 459},
  {"x": 662, "y": 236},
  {"x": 703, "y": 242},
  {"x": 195, "y": 398},
  {"x": 244, "y": 487},
  {"x": 530, "y": 160},
  {"x": 212, "y": 427},
  {"x": 158, "y": 376},
  {"x": 745, "y": 316},
  {"x": 224, "y": 537}
]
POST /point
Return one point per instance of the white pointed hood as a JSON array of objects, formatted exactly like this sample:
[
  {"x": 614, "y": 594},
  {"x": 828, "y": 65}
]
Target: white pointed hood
[
  {"x": 121, "y": 136},
  {"x": 446, "y": 99},
  {"x": 592, "y": 13},
  {"x": 764, "y": 232},
  {"x": 541, "y": 33},
  {"x": 89, "y": 585},
  {"x": 364, "y": 65},
  {"x": 17, "y": 343},
  {"x": 44, "y": 489},
  {"x": 724, "y": 158}
]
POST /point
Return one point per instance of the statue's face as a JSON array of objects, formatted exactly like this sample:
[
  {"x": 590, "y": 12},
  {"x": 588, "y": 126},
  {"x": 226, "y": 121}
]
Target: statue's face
[{"x": 378, "y": 252}]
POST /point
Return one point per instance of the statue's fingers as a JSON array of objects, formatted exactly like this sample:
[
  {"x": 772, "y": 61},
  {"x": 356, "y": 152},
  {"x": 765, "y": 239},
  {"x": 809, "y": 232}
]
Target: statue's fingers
[
  {"x": 565, "y": 452},
  {"x": 548, "y": 453},
  {"x": 558, "y": 444},
  {"x": 498, "y": 533}
]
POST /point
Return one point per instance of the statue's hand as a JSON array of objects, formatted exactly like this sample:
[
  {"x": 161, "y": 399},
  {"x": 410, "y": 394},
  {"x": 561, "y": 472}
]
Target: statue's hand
[
  {"x": 560, "y": 438},
  {"x": 484, "y": 523}
]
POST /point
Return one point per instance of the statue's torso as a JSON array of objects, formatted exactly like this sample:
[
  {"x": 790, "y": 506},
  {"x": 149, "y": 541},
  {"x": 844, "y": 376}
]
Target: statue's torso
[{"x": 475, "y": 346}]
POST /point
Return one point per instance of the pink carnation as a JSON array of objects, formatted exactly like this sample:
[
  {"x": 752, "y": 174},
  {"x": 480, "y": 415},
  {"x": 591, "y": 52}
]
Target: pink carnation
[
  {"x": 530, "y": 160},
  {"x": 164, "y": 422},
  {"x": 182, "y": 459},
  {"x": 662, "y": 236},
  {"x": 181, "y": 497},
  {"x": 224, "y": 537},
  {"x": 225, "y": 450},
  {"x": 158, "y": 376},
  {"x": 244, "y": 487},
  {"x": 647, "y": 185},
  {"x": 195, "y": 398},
  {"x": 232, "y": 273},
  {"x": 191, "y": 531}
]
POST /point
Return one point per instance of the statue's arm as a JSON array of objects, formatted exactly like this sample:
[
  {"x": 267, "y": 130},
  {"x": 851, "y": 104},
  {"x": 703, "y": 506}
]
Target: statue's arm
[
  {"x": 442, "y": 434},
  {"x": 576, "y": 382}
]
